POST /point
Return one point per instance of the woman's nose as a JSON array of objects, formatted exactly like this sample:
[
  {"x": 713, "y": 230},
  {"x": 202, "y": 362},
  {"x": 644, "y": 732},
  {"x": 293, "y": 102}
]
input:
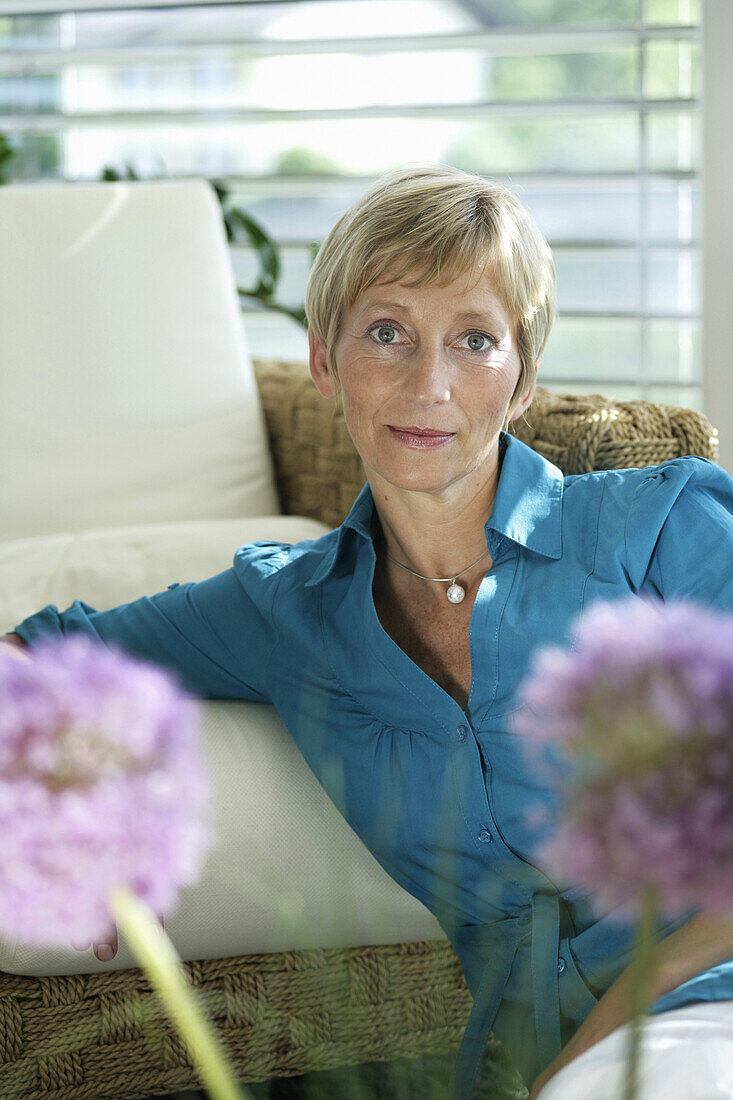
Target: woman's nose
[{"x": 427, "y": 380}]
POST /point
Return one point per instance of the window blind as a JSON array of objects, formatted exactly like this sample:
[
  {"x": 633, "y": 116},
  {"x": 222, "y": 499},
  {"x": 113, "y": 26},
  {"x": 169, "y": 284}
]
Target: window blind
[{"x": 588, "y": 111}]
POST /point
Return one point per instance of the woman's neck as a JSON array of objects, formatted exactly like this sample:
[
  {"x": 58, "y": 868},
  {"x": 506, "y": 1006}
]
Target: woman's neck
[{"x": 436, "y": 535}]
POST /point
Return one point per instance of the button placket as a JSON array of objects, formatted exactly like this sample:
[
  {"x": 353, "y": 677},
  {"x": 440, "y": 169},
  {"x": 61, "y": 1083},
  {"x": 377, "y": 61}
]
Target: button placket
[{"x": 474, "y": 815}]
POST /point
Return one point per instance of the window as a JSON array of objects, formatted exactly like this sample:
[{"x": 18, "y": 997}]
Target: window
[{"x": 587, "y": 109}]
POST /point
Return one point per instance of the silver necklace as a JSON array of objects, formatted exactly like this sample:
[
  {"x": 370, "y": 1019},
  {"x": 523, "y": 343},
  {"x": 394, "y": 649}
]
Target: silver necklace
[{"x": 456, "y": 592}]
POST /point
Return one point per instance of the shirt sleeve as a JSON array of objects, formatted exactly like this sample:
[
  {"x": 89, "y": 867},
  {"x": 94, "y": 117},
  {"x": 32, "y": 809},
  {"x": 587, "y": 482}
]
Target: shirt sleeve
[
  {"x": 210, "y": 634},
  {"x": 678, "y": 544},
  {"x": 679, "y": 533}
]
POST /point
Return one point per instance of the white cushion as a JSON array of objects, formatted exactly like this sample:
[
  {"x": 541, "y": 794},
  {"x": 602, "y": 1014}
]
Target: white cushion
[
  {"x": 686, "y": 1054},
  {"x": 112, "y": 566},
  {"x": 126, "y": 390},
  {"x": 287, "y": 871}
]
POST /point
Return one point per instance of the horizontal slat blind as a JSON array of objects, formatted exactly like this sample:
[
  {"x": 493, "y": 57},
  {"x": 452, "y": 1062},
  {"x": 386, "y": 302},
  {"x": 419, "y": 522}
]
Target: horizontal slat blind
[{"x": 296, "y": 107}]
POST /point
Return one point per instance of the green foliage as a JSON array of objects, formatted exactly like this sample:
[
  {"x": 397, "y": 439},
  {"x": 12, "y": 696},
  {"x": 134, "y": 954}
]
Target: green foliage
[
  {"x": 301, "y": 161},
  {"x": 34, "y": 155},
  {"x": 7, "y": 153},
  {"x": 560, "y": 76},
  {"x": 493, "y": 148},
  {"x": 666, "y": 64},
  {"x": 549, "y": 12},
  {"x": 109, "y": 175},
  {"x": 673, "y": 11}
]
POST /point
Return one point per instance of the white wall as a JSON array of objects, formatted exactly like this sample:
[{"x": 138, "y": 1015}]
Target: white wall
[{"x": 717, "y": 184}]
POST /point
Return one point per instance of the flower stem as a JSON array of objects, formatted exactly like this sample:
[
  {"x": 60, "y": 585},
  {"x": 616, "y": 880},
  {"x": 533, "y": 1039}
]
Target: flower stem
[
  {"x": 162, "y": 965},
  {"x": 640, "y": 985}
]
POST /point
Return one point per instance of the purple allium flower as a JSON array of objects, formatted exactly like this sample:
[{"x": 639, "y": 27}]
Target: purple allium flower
[
  {"x": 101, "y": 785},
  {"x": 640, "y": 711}
]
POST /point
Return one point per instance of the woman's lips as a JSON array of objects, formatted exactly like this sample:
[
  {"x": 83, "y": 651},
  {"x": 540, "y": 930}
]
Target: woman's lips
[{"x": 422, "y": 438}]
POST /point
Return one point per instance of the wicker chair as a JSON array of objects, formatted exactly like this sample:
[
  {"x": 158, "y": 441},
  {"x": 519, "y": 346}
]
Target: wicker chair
[{"x": 105, "y": 1036}]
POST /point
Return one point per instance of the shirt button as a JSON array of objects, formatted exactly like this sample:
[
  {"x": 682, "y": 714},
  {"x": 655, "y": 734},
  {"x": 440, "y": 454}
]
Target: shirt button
[
  {"x": 484, "y": 835},
  {"x": 560, "y": 965},
  {"x": 462, "y": 733}
]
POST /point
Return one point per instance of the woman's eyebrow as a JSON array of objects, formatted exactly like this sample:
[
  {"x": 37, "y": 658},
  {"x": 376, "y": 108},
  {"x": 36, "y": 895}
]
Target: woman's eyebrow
[
  {"x": 383, "y": 305},
  {"x": 486, "y": 315}
]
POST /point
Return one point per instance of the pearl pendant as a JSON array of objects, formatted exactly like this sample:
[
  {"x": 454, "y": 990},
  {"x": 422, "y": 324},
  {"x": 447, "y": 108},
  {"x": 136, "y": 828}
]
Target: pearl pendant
[{"x": 455, "y": 593}]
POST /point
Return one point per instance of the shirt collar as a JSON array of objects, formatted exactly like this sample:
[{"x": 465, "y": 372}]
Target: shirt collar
[
  {"x": 361, "y": 519},
  {"x": 528, "y": 502},
  {"x": 527, "y": 507}
]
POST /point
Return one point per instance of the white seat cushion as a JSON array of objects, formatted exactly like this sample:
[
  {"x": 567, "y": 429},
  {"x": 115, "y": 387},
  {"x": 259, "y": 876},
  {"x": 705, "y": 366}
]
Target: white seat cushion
[
  {"x": 287, "y": 872},
  {"x": 110, "y": 566},
  {"x": 686, "y": 1054},
  {"x": 126, "y": 390}
]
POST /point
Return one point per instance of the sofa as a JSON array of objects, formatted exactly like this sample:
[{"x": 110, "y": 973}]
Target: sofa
[{"x": 141, "y": 446}]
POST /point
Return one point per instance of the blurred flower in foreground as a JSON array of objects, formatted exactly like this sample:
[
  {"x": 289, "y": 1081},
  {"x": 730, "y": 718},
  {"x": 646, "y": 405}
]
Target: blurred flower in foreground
[
  {"x": 103, "y": 815},
  {"x": 642, "y": 709},
  {"x": 640, "y": 713},
  {"x": 101, "y": 786}
]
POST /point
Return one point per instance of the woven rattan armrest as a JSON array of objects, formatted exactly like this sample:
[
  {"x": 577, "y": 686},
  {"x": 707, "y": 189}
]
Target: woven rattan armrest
[{"x": 105, "y": 1036}]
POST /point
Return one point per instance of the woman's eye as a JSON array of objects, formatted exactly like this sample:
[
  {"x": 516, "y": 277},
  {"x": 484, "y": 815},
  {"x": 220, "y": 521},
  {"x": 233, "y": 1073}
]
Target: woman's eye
[
  {"x": 478, "y": 341},
  {"x": 384, "y": 334}
]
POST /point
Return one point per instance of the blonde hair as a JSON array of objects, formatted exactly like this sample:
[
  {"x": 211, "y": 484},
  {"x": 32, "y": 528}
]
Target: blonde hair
[{"x": 436, "y": 223}]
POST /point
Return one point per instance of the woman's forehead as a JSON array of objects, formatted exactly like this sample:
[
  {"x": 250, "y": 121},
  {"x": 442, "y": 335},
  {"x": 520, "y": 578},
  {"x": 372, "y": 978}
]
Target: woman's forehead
[{"x": 465, "y": 291}]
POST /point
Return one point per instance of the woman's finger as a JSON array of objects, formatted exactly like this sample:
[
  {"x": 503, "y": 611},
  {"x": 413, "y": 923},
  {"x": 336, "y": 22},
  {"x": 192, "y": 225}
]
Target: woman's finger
[
  {"x": 111, "y": 945},
  {"x": 106, "y": 951}
]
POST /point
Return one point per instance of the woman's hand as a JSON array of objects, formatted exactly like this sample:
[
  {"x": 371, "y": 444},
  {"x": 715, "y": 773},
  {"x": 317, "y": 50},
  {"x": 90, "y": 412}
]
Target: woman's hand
[
  {"x": 13, "y": 646},
  {"x": 554, "y": 1067},
  {"x": 611, "y": 1012},
  {"x": 106, "y": 951},
  {"x": 603, "y": 1018},
  {"x": 575, "y": 1046}
]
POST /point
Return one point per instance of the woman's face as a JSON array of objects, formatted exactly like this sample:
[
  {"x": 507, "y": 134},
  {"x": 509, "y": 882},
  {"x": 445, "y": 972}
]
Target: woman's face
[{"x": 426, "y": 376}]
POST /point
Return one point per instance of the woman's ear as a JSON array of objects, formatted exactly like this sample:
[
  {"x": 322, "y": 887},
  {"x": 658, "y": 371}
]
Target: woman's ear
[
  {"x": 524, "y": 402},
  {"x": 318, "y": 363}
]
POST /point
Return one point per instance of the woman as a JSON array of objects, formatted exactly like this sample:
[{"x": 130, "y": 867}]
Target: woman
[{"x": 394, "y": 646}]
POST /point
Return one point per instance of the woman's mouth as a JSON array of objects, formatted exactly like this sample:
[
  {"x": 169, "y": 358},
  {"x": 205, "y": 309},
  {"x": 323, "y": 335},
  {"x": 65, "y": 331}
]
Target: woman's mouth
[{"x": 421, "y": 438}]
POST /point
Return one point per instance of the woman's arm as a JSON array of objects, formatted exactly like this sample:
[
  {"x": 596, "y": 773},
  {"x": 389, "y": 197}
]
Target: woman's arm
[
  {"x": 13, "y": 646},
  {"x": 704, "y": 941},
  {"x": 210, "y": 634}
]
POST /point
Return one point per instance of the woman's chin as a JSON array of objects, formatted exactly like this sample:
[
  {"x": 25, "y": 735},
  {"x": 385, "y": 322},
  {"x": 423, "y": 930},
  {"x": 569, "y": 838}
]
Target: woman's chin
[
  {"x": 426, "y": 474},
  {"x": 410, "y": 479}
]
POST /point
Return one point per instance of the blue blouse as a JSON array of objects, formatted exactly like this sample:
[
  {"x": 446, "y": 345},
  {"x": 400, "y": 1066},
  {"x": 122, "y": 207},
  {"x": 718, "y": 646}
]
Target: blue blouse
[{"x": 443, "y": 797}]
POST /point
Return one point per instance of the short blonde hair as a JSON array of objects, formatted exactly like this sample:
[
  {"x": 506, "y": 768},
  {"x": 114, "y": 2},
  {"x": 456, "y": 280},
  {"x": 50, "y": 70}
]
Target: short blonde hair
[{"x": 436, "y": 223}]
